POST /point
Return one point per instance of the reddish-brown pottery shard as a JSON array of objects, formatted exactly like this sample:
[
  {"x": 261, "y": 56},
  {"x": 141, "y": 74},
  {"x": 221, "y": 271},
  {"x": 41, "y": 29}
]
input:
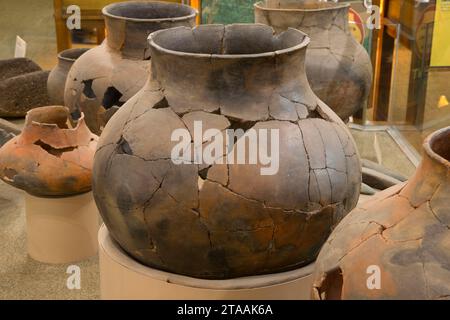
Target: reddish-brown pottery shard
[
  {"x": 107, "y": 76},
  {"x": 338, "y": 67},
  {"x": 58, "y": 76},
  {"x": 396, "y": 246},
  {"x": 225, "y": 220},
  {"x": 23, "y": 86},
  {"x": 49, "y": 158}
]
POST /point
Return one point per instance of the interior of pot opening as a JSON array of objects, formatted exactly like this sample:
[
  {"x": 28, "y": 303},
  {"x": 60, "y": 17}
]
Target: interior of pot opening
[
  {"x": 296, "y": 4},
  {"x": 149, "y": 10},
  {"x": 227, "y": 40},
  {"x": 57, "y": 115},
  {"x": 73, "y": 54},
  {"x": 440, "y": 144}
]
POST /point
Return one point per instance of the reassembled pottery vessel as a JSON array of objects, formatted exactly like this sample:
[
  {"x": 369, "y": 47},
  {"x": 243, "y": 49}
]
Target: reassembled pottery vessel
[
  {"x": 23, "y": 86},
  {"x": 58, "y": 76},
  {"x": 49, "y": 158},
  {"x": 104, "y": 78},
  {"x": 338, "y": 67},
  {"x": 225, "y": 220},
  {"x": 398, "y": 244}
]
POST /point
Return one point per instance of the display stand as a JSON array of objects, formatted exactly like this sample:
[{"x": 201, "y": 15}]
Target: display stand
[
  {"x": 62, "y": 230},
  {"x": 122, "y": 277}
]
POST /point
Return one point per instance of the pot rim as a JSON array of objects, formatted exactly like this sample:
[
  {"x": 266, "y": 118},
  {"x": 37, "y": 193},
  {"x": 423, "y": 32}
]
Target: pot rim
[
  {"x": 428, "y": 146},
  {"x": 28, "y": 121},
  {"x": 106, "y": 13},
  {"x": 306, "y": 40},
  {"x": 333, "y": 6},
  {"x": 81, "y": 50}
]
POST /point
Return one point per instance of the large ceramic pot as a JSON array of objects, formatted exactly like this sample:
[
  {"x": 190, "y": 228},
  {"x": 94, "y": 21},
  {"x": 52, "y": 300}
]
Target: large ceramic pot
[
  {"x": 338, "y": 67},
  {"x": 49, "y": 158},
  {"x": 104, "y": 78},
  {"x": 212, "y": 220},
  {"x": 58, "y": 76},
  {"x": 396, "y": 246}
]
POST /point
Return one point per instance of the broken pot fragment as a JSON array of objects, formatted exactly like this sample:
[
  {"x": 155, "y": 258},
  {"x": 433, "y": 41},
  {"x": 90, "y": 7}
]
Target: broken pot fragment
[
  {"x": 225, "y": 219},
  {"x": 105, "y": 77},
  {"x": 49, "y": 158},
  {"x": 396, "y": 246},
  {"x": 338, "y": 67}
]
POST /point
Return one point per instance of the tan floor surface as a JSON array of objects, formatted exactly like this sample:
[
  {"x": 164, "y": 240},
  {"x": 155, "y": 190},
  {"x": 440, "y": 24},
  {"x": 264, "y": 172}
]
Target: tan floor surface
[{"x": 23, "y": 278}]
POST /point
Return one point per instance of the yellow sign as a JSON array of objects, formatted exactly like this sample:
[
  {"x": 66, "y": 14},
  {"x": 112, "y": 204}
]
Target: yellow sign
[
  {"x": 443, "y": 102},
  {"x": 440, "y": 51}
]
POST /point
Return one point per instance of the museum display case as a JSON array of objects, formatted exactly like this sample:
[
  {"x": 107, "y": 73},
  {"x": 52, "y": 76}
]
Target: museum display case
[{"x": 224, "y": 150}]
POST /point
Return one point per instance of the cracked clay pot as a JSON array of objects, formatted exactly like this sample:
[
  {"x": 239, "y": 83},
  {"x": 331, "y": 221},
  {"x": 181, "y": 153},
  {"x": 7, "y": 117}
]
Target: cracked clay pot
[
  {"x": 49, "y": 158},
  {"x": 338, "y": 67},
  {"x": 104, "y": 78},
  {"x": 58, "y": 76},
  {"x": 219, "y": 221},
  {"x": 401, "y": 238}
]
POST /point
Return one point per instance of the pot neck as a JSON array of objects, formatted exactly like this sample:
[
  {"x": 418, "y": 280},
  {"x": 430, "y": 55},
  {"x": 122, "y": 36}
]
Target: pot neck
[
  {"x": 129, "y": 35},
  {"x": 66, "y": 58},
  {"x": 309, "y": 15},
  {"x": 65, "y": 64},
  {"x": 432, "y": 178},
  {"x": 50, "y": 125},
  {"x": 193, "y": 81}
]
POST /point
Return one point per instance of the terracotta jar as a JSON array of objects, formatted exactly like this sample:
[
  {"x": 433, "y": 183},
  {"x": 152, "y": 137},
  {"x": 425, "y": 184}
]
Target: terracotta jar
[
  {"x": 212, "y": 220},
  {"x": 396, "y": 246},
  {"x": 57, "y": 77},
  {"x": 338, "y": 67},
  {"x": 49, "y": 158},
  {"x": 104, "y": 78}
]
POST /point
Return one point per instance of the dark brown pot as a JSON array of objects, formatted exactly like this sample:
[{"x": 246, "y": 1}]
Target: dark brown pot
[
  {"x": 57, "y": 77},
  {"x": 104, "y": 78},
  {"x": 23, "y": 86},
  {"x": 225, "y": 221},
  {"x": 49, "y": 158},
  {"x": 338, "y": 67},
  {"x": 404, "y": 231}
]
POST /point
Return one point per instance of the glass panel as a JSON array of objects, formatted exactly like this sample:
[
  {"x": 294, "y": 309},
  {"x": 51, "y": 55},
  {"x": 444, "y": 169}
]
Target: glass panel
[{"x": 429, "y": 90}]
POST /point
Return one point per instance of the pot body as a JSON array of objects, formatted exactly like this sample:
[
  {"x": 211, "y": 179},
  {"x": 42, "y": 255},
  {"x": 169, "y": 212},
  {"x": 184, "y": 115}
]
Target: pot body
[
  {"x": 57, "y": 77},
  {"x": 48, "y": 158},
  {"x": 338, "y": 67},
  {"x": 104, "y": 78},
  {"x": 397, "y": 245},
  {"x": 225, "y": 220}
]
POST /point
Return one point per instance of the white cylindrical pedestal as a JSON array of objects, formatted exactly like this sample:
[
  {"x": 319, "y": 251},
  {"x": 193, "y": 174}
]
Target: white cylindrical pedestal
[
  {"x": 121, "y": 277},
  {"x": 62, "y": 230}
]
